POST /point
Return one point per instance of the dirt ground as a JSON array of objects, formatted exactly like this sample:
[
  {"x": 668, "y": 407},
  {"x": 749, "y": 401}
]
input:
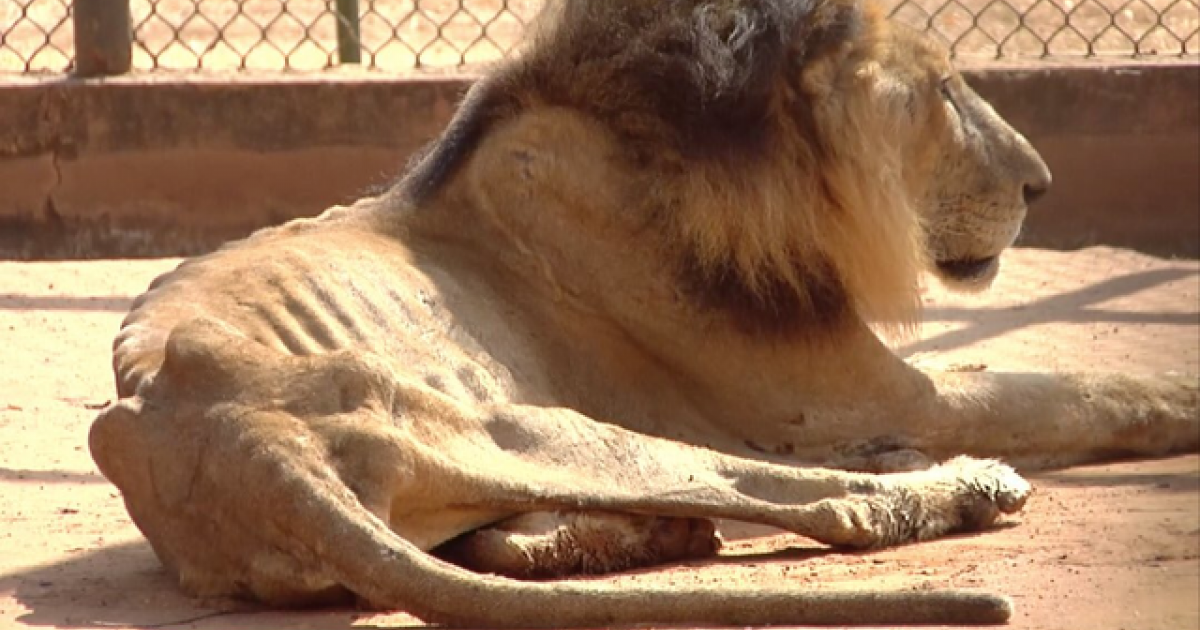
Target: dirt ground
[{"x": 1101, "y": 547}]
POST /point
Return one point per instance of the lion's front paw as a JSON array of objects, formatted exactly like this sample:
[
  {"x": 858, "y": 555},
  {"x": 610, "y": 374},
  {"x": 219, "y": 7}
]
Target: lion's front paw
[
  {"x": 981, "y": 490},
  {"x": 1183, "y": 403},
  {"x": 963, "y": 494}
]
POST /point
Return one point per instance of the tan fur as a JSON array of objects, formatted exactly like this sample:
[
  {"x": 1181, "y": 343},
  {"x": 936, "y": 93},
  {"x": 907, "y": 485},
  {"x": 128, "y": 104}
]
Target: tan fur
[
  {"x": 562, "y": 544},
  {"x": 629, "y": 291}
]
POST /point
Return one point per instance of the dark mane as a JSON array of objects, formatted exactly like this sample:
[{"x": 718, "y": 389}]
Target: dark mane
[
  {"x": 693, "y": 77},
  {"x": 776, "y": 309},
  {"x": 674, "y": 79},
  {"x": 689, "y": 87}
]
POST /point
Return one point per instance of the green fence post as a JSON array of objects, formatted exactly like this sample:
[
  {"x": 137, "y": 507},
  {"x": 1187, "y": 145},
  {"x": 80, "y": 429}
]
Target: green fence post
[
  {"x": 103, "y": 37},
  {"x": 349, "y": 44}
]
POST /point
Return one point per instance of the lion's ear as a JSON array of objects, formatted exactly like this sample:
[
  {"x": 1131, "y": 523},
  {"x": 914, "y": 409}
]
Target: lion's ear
[{"x": 429, "y": 169}]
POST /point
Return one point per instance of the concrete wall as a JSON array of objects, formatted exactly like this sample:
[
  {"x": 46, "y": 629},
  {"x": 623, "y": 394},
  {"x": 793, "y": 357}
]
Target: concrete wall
[
  {"x": 157, "y": 165},
  {"x": 1124, "y": 145}
]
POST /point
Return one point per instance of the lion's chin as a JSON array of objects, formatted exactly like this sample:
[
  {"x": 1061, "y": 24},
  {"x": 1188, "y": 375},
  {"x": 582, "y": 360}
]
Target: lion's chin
[{"x": 968, "y": 274}]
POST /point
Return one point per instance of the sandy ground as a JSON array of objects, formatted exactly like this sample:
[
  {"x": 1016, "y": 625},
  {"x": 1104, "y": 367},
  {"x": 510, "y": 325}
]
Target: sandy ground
[{"x": 1102, "y": 547}]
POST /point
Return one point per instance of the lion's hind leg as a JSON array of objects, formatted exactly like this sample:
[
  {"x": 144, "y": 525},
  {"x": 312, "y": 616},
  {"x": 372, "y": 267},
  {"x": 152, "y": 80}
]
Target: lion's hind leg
[
  {"x": 539, "y": 545},
  {"x": 572, "y": 462}
]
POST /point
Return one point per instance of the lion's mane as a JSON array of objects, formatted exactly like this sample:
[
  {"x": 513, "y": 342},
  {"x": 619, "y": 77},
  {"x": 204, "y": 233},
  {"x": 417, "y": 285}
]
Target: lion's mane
[{"x": 764, "y": 164}]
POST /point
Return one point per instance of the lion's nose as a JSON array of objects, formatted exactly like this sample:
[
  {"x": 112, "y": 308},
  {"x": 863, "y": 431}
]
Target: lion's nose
[
  {"x": 1034, "y": 191},
  {"x": 1036, "y": 174}
]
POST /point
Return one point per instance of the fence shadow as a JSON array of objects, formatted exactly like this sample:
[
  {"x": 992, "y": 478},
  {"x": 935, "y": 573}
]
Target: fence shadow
[
  {"x": 106, "y": 303},
  {"x": 1070, "y": 307},
  {"x": 1182, "y": 482},
  {"x": 23, "y": 475}
]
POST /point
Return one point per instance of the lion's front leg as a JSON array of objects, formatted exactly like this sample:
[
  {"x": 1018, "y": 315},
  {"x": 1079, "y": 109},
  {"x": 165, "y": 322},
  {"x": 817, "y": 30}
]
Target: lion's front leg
[
  {"x": 1049, "y": 420},
  {"x": 892, "y": 416}
]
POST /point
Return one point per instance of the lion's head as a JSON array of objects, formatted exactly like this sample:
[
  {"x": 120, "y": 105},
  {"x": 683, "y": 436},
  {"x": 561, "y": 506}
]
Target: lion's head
[
  {"x": 977, "y": 176},
  {"x": 799, "y": 158}
]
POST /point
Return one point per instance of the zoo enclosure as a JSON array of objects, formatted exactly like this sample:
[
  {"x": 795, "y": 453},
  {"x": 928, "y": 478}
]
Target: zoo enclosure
[{"x": 114, "y": 36}]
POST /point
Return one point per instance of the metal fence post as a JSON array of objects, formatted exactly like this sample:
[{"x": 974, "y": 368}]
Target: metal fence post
[
  {"x": 103, "y": 37},
  {"x": 349, "y": 44}
]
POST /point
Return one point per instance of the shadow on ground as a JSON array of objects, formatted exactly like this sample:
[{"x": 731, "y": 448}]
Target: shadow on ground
[
  {"x": 1185, "y": 482},
  {"x": 1073, "y": 306},
  {"x": 108, "y": 303},
  {"x": 124, "y": 586}
]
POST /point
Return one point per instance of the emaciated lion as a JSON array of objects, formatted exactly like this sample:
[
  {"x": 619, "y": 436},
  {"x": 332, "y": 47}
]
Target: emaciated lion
[{"x": 660, "y": 234}]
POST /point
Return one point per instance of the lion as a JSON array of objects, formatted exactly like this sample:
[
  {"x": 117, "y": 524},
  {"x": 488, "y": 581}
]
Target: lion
[{"x": 634, "y": 287}]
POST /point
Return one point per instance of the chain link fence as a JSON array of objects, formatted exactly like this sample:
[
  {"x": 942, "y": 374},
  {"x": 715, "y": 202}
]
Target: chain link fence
[{"x": 402, "y": 35}]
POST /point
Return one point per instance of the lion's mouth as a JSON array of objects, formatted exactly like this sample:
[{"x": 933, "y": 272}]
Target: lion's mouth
[{"x": 967, "y": 268}]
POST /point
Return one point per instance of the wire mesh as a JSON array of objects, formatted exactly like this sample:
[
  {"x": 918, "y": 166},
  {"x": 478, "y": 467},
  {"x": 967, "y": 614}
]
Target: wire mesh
[
  {"x": 400, "y": 35},
  {"x": 36, "y": 35}
]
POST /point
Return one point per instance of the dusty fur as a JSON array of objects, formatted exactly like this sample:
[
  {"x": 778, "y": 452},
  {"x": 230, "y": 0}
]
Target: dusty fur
[{"x": 645, "y": 255}]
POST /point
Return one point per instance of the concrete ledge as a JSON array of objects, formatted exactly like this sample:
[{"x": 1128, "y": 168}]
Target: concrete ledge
[
  {"x": 144, "y": 166},
  {"x": 1123, "y": 142},
  {"x": 154, "y": 166}
]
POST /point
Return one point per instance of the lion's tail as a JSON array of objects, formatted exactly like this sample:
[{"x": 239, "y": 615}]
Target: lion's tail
[{"x": 376, "y": 563}]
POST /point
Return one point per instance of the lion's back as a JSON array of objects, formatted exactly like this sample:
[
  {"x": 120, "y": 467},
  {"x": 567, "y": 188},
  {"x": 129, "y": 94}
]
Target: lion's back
[{"x": 314, "y": 287}]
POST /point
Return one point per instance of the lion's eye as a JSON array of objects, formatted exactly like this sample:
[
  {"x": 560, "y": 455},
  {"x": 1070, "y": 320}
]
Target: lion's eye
[
  {"x": 944, "y": 89},
  {"x": 947, "y": 94}
]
